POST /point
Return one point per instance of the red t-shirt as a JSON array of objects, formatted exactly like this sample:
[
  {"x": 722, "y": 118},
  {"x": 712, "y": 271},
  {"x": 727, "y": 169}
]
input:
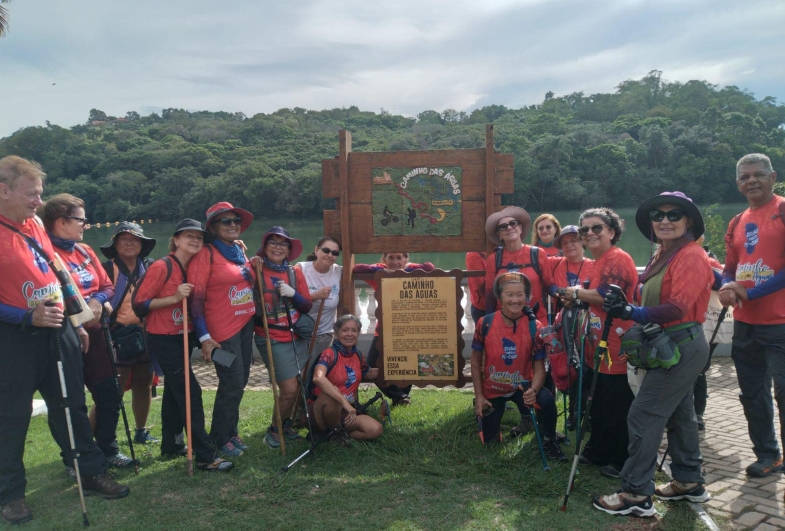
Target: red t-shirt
[
  {"x": 476, "y": 262},
  {"x": 755, "y": 256},
  {"x": 550, "y": 251},
  {"x": 154, "y": 285},
  {"x": 565, "y": 274},
  {"x": 88, "y": 273},
  {"x": 508, "y": 355},
  {"x": 222, "y": 295},
  {"x": 519, "y": 262},
  {"x": 346, "y": 375},
  {"x": 687, "y": 284},
  {"x": 613, "y": 267},
  {"x": 27, "y": 278},
  {"x": 273, "y": 305}
]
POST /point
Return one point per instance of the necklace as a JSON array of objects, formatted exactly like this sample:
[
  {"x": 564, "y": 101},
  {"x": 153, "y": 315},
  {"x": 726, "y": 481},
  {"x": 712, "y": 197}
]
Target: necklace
[
  {"x": 514, "y": 321},
  {"x": 578, "y": 274}
]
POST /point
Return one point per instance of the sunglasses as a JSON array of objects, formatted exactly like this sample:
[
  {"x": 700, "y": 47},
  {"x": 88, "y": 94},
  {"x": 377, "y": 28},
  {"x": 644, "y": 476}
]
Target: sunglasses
[
  {"x": 228, "y": 221},
  {"x": 509, "y": 225},
  {"x": 672, "y": 215},
  {"x": 596, "y": 229},
  {"x": 81, "y": 221},
  {"x": 327, "y": 250}
]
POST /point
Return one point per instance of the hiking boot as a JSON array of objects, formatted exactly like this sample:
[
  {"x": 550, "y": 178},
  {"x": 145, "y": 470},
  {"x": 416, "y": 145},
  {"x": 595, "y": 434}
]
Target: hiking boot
[
  {"x": 177, "y": 451},
  {"x": 218, "y": 465},
  {"x": 553, "y": 450},
  {"x": 70, "y": 472},
  {"x": 524, "y": 428},
  {"x": 119, "y": 460},
  {"x": 143, "y": 436},
  {"x": 765, "y": 466},
  {"x": 625, "y": 503},
  {"x": 104, "y": 486},
  {"x": 230, "y": 450},
  {"x": 676, "y": 490},
  {"x": 610, "y": 471},
  {"x": 16, "y": 512},
  {"x": 238, "y": 443},
  {"x": 272, "y": 438},
  {"x": 289, "y": 432}
]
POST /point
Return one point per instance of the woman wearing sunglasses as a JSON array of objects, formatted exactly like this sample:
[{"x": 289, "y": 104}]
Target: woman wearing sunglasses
[
  {"x": 674, "y": 293},
  {"x": 546, "y": 229},
  {"x": 601, "y": 229},
  {"x": 323, "y": 276},
  {"x": 223, "y": 309}
]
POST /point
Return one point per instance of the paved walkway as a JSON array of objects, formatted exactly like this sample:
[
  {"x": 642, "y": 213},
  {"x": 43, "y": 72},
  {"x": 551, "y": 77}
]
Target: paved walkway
[{"x": 739, "y": 502}]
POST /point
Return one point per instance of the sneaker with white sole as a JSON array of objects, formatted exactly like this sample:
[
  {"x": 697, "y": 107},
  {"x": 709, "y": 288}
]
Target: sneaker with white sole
[
  {"x": 230, "y": 450},
  {"x": 289, "y": 432},
  {"x": 238, "y": 443},
  {"x": 272, "y": 438},
  {"x": 625, "y": 503},
  {"x": 765, "y": 466},
  {"x": 142, "y": 436},
  {"x": 676, "y": 490}
]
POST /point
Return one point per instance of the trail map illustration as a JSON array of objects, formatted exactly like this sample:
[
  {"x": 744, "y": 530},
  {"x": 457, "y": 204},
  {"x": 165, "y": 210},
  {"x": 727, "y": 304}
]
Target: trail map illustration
[{"x": 425, "y": 200}]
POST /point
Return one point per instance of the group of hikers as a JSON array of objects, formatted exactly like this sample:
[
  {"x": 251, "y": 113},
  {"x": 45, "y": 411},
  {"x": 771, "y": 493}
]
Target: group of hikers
[{"x": 206, "y": 292}]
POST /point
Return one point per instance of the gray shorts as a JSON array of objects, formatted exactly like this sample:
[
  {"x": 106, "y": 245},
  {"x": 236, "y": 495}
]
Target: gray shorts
[{"x": 283, "y": 356}]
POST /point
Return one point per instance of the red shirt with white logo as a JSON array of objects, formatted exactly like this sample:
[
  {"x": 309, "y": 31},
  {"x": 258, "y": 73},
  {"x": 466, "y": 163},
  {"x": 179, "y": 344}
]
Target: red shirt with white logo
[
  {"x": 86, "y": 270},
  {"x": 27, "y": 278},
  {"x": 521, "y": 262},
  {"x": 346, "y": 374},
  {"x": 274, "y": 306},
  {"x": 154, "y": 285}
]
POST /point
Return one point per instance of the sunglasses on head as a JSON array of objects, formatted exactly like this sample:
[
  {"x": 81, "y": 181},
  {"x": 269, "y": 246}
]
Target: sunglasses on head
[
  {"x": 327, "y": 250},
  {"x": 596, "y": 229},
  {"x": 509, "y": 225},
  {"x": 672, "y": 215},
  {"x": 229, "y": 221}
]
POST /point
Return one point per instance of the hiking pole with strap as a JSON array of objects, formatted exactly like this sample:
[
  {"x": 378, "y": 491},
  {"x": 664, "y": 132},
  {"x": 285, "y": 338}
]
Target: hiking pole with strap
[
  {"x": 110, "y": 350},
  {"x": 273, "y": 382},
  {"x": 187, "y": 371},
  {"x": 602, "y": 347},
  {"x": 299, "y": 369},
  {"x": 360, "y": 410},
  {"x": 583, "y": 323},
  {"x": 532, "y": 407},
  {"x": 69, "y": 424},
  {"x": 311, "y": 344}
]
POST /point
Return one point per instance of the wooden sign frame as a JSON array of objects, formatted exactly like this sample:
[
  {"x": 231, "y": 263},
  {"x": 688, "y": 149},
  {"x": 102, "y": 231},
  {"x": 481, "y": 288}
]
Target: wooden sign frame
[{"x": 459, "y": 380}]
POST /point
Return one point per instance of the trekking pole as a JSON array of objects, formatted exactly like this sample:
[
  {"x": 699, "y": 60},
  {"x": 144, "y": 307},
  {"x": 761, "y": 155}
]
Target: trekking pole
[
  {"x": 532, "y": 407},
  {"x": 583, "y": 323},
  {"x": 602, "y": 347},
  {"x": 273, "y": 382},
  {"x": 110, "y": 350},
  {"x": 310, "y": 353},
  {"x": 297, "y": 362},
  {"x": 362, "y": 409},
  {"x": 67, "y": 410},
  {"x": 187, "y": 371}
]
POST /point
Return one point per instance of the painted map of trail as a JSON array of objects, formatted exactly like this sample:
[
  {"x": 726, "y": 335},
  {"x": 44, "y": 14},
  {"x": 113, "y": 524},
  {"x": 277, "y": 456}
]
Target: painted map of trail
[{"x": 425, "y": 200}]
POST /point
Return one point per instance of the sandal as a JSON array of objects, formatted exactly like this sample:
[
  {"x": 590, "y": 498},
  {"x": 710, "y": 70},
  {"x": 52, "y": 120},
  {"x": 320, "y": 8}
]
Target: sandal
[{"x": 219, "y": 465}]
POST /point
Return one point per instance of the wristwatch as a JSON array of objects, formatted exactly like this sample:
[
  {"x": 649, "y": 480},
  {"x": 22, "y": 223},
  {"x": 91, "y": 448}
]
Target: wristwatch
[{"x": 575, "y": 295}]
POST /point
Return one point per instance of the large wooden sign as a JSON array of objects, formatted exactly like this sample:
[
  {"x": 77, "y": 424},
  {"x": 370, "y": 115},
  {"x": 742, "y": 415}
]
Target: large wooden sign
[
  {"x": 411, "y": 201},
  {"x": 419, "y": 317}
]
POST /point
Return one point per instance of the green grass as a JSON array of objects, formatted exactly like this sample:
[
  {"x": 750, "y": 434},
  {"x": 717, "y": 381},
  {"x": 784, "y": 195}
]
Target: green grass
[{"x": 428, "y": 471}]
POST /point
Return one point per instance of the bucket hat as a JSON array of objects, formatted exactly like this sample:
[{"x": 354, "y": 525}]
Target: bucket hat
[
  {"x": 109, "y": 250},
  {"x": 295, "y": 245},
  {"x": 192, "y": 224},
  {"x": 643, "y": 221},
  {"x": 569, "y": 229},
  {"x": 509, "y": 212},
  {"x": 219, "y": 208}
]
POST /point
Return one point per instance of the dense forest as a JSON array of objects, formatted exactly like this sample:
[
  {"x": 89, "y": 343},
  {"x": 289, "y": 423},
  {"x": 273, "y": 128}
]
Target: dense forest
[{"x": 571, "y": 151}]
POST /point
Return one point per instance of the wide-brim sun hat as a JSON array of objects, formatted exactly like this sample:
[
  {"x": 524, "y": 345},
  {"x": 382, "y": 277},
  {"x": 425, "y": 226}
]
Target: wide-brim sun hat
[
  {"x": 192, "y": 224},
  {"x": 109, "y": 250},
  {"x": 509, "y": 212},
  {"x": 295, "y": 245},
  {"x": 219, "y": 208},
  {"x": 643, "y": 219},
  {"x": 569, "y": 229}
]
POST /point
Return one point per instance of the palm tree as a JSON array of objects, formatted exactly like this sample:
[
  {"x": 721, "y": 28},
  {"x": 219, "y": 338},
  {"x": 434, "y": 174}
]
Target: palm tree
[{"x": 3, "y": 18}]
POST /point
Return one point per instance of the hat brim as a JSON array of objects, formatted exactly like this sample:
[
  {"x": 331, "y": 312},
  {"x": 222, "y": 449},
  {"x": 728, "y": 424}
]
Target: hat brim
[
  {"x": 207, "y": 235},
  {"x": 110, "y": 251},
  {"x": 246, "y": 218},
  {"x": 643, "y": 221},
  {"x": 509, "y": 212},
  {"x": 295, "y": 246},
  {"x": 557, "y": 239}
]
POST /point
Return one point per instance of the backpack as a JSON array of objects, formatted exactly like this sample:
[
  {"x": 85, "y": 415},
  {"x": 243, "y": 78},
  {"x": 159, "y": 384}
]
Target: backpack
[
  {"x": 138, "y": 310},
  {"x": 555, "y": 338},
  {"x": 534, "y": 257},
  {"x": 309, "y": 385}
]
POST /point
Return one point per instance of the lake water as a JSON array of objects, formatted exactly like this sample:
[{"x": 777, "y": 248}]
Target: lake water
[{"x": 310, "y": 230}]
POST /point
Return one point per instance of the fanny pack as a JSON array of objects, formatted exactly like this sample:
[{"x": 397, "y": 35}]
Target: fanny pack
[
  {"x": 650, "y": 346},
  {"x": 304, "y": 327},
  {"x": 128, "y": 341}
]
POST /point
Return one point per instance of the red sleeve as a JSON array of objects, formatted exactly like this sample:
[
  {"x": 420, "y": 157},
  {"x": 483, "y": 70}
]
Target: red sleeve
[
  {"x": 105, "y": 285},
  {"x": 731, "y": 255},
  {"x": 199, "y": 275},
  {"x": 148, "y": 288},
  {"x": 476, "y": 262},
  {"x": 327, "y": 358},
  {"x": 691, "y": 279}
]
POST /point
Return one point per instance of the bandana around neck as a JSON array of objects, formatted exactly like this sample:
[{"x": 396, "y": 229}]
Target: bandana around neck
[
  {"x": 62, "y": 243},
  {"x": 280, "y": 268}
]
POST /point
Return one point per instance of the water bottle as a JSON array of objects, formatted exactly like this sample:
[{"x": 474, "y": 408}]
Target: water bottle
[{"x": 70, "y": 295}]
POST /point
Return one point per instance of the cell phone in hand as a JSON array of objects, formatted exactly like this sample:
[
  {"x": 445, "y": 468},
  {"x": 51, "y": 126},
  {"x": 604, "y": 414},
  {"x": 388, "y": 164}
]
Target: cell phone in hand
[{"x": 222, "y": 357}]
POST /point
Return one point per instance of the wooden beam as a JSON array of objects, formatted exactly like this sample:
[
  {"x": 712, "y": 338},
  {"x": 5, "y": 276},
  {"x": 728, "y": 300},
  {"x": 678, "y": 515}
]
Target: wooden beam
[
  {"x": 346, "y": 300},
  {"x": 490, "y": 172}
]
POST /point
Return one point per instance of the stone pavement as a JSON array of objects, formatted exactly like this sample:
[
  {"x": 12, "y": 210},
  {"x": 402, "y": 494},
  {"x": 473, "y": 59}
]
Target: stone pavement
[{"x": 738, "y": 502}]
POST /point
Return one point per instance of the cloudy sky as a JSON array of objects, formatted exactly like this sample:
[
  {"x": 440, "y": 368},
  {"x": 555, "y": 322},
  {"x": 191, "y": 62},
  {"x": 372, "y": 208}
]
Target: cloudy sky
[{"x": 60, "y": 59}]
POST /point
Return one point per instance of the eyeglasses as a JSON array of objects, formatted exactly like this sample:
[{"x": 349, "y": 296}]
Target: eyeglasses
[
  {"x": 279, "y": 244},
  {"x": 228, "y": 221},
  {"x": 596, "y": 229},
  {"x": 672, "y": 215},
  {"x": 81, "y": 221},
  {"x": 327, "y": 250},
  {"x": 501, "y": 227}
]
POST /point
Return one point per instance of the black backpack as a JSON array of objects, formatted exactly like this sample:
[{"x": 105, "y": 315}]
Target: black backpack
[{"x": 309, "y": 385}]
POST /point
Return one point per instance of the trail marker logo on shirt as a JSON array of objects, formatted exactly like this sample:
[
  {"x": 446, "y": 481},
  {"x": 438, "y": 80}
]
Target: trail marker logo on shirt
[
  {"x": 38, "y": 260},
  {"x": 510, "y": 351},
  {"x": 751, "y": 237}
]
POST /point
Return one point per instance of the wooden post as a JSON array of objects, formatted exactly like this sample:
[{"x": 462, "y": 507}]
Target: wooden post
[
  {"x": 346, "y": 302},
  {"x": 490, "y": 175}
]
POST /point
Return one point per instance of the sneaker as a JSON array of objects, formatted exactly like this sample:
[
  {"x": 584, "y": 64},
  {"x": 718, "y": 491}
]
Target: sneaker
[
  {"x": 624, "y": 503},
  {"x": 143, "y": 436},
  {"x": 70, "y": 472},
  {"x": 765, "y": 466},
  {"x": 676, "y": 490},
  {"x": 524, "y": 428},
  {"x": 218, "y": 465},
  {"x": 119, "y": 460},
  {"x": 177, "y": 451},
  {"x": 272, "y": 438},
  {"x": 561, "y": 437},
  {"x": 610, "y": 471},
  {"x": 104, "y": 486},
  {"x": 289, "y": 432},
  {"x": 238, "y": 443},
  {"x": 16, "y": 512},
  {"x": 230, "y": 450},
  {"x": 553, "y": 450}
]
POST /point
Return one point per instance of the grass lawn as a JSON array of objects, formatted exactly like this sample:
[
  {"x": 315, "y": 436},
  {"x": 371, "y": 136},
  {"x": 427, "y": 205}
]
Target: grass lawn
[{"x": 428, "y": 471}]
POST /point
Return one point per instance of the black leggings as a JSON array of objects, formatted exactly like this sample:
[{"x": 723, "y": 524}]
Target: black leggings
[{"x": 546, "y": 414}]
